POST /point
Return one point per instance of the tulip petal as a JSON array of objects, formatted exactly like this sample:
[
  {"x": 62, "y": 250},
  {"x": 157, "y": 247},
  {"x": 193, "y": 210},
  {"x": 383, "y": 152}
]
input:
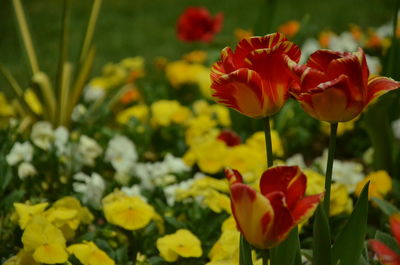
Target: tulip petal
[
  {"x": 385, "y": 255},
  {"x": 233, "y": 176},
  {"x": 242, "y": 91},
  {"x": 322, "y": 58},
  {"x": 395, "y": 226},
  {"x": 379, "y": 85},
  {"x": 253, "y": 213},
  {"x": 283, "y": 220},
  {"x": 308, "y": 78},
  {"x": 306, "y": 207},
  {"x": 224, "y": 65},
  {"x": 247, "y": 45},
  {"x": 286, "y": 179}
]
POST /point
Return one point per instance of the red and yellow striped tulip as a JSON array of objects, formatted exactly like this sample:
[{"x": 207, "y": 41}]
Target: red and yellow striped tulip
[
  {"x": 254, "y": 79},
  {"x": 336, "y": 86},
  {"x": 386, "y": 255},
  {"x": 265, "y": 218}
]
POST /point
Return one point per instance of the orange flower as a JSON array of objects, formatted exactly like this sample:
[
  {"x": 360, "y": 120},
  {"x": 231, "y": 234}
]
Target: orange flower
[
  {"x": 335, "y": 86},
  {"x": 290, "y": 28},
  {"x": 266, "y": 218},
  {"x": 386, "y": 255},
  {"x": 254, "y": 79}
]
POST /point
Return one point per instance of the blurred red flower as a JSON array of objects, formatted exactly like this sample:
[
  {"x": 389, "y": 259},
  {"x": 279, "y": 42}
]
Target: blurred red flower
[
  {"x": 336, "y": 86},
  {"x": 229, "y": 137},
  {"x": 196, "y": 24},
  {"x": 254, "y": 79},
  {"x": 265, "y": 218}
]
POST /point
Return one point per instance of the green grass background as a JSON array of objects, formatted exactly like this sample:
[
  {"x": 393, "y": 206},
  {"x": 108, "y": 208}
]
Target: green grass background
[{"x": 147, "y": 27}]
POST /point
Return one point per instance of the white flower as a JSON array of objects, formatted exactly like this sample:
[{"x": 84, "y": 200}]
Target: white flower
[
  {"x": 172, "y": 190},
  {"x": 61, "y": 135},
  {"x": 78, "y": 112},
  {"x": 88, "y": 150},
  {"x": 374, "y": 64},
  {"x": 346, "y": 172},
  {"x": 121, "y": 152},
  {"x": 91, "y": 188},
  {"x": 296, "y": 160},
  {"x": 133, "y": 191},
  {"x": 309, "y": 46},
  {"x": 42, "y": 135},
  {"x": 385, "y": 31},
  {"x": 26, "y": 169},
  {"x": 20, "y": 152},
  {"x": 175, "y": 164},
  {"x": 93, "y": 93},
  {"x": 345, "y": 42},
  {"x": 396, "y": 129}
]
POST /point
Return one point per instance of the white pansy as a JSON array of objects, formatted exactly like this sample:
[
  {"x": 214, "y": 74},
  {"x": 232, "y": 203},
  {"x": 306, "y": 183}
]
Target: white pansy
[
  {"x": 42, "y": 135},
  {"x": 396, "y": 129},
  {"x": 61, "y": 135},
  {"x": 121, "y": 153},
  {"x": 175, "y": 164},
  {"x": 309, "y": 47},
  {"x": 385, "y": 31},
  {"x": 91, "y": 188},
  {"x": 171, "y": 191},
  {"x": 26, "y": 169},
  {"x": 133, "y": 191},
  {"x": 374, "y": 64},
  {"x": 345, "y": 42},
  {"x": 20, "y": 152},
  {"x": 78, "y": 112},
  {"x": 93, "y": 93},
  {"x": 88, "y": 150},
  {"x": 348, "y": 173},
  {"x": 296, "y": 160}
]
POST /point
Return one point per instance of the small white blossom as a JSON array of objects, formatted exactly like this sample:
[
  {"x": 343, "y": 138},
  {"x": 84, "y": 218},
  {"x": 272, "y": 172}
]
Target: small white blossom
[
  {"x": 133, "y": 191},
  {"x": 374, "y": 64},
  {"x": 20, "y": 152},
  {"x": 91, "y": 188},
  {"x": 42, "y": 135},
  {"x": 26, "y": 169},
  {"x": 172, "y": 190},
  {"x": 345, "y": 42},
  {"x": 296, "y": 160},
  {"x": 78, "y": 112},
  {"x": 309, "y": 47},
  {"x": 93, "y": 93},
  {"x": 88, "y": 150},
  {"x": 121, "y": 152},
  {"x": 61, "y": 135},
  {"x": 175, "y": 164}
]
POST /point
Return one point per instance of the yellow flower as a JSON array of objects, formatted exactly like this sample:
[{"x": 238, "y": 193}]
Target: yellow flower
[
  {"x": 166, "y": 112},
  {"x": 257, "y": 140},
  {"x": 198, "y": 128},
  {"x": 22, "y": 258},
  {"x": 211, "y": 155},
  {"x": 131, "y": 213},
  {"x": 133, "y": 63},
  {"x": 89, "y": 254},
  {"x": 213, "y": 183},
  {"x": 222, "y": 114},
  {"x": 67, "y": 214},
  {"x": 343, "y": 127},
  {"x": 247, "y": 159},
  {"x": 226, "y": 247},
  {"x": 5, "y": 108},
  {"x": 182, "y": 243},
  {"x": 45, "y": 241},
  {"x": 229, "y": 224},
  {"x": 315, "y": 182},
  {"x": 380, "y": 184},
  {"x": 33, "y": 101},
  {"x": 195, "y": 56},
  {"x": 140, "y": 112},
  {"x": 217, "y": 201},
  {"x": 25, "y": 212},
  {"x": 242, "y": 33}
]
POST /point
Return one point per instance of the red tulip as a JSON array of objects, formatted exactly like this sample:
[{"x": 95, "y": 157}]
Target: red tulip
[
  {"x": 196, "y": 24},
  {"x": 254, "y": 79},
  {"x": 386, "y": 255},
  {"x": 336, "y": 86},
  {"x": 266, "y": 218},
  {"x": 230, "y": 138}
]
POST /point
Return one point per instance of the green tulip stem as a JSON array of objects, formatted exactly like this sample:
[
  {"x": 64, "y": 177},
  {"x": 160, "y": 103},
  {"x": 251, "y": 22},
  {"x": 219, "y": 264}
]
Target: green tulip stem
[
  {"x": 265, "y": 256},
  {"x": 268, "y": 142},
  {"x": 329, "y": 166}
]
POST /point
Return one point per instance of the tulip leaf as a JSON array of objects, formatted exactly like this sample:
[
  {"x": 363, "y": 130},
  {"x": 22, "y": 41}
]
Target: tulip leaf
[
  {"x": 321, "y": 238},
  {"x": 386, "y": 207},
  {"x": 349, "y": 244},
  {"x": 245, "y": 252},
  {"x": 287, "y": 252},
  {"x": 388, "y": 240}
]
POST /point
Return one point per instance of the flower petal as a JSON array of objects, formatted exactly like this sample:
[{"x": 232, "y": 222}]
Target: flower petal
[
  {"x": 395, "y": 226},
  {"x": 379, "y": 85},
  {"x": 242, "y": 91},
  {"x": 385, "y": 255},
  {"x": 321, "y": 59},
  {"x": 233, "y": 176},
  {"x": 225, "y": 65},
  {"x": 253, "y": 213},
  {"x": 286, "y": 179},
  {"x": 306, "y": 207}
]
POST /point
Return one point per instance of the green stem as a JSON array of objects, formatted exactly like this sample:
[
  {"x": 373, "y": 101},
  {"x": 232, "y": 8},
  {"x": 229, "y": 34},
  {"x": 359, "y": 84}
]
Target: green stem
[
  {"x": 329, "y": 166},
  {"x": 265, "y": 256},
  {"x": 244, "y": 252},
  {"x": 133, "y": 247},
  {"x": 268, "y": 142}
]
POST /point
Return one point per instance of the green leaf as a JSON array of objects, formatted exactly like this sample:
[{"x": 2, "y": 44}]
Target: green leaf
[
  {"x": 286, "y": 252},
  {"x": 350, "y": 242},
  {"x": 388, "y": 240},
  {"x": 364, "y": 260},
  {"x": 245, "y": 252},
  {"x": 321, "y": 238},
  {"x": 386, "y": 207}
]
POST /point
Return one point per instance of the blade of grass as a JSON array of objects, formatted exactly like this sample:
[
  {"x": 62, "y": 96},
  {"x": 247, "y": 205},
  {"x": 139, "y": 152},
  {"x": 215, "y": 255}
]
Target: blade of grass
[
  {"x": 49, "y": 100},
  {"x": 26, "y": 36},
  {"x": 65, "y": 92}
]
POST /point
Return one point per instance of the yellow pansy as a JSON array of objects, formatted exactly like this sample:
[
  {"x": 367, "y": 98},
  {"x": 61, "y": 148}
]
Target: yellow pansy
[
  {"x": 166, "y": 112},
  {"x": 200, "y": 127},
  {"x": 257, "y": 140},
  {"x": 226, "y": 247},
  {"x": 182, "y": 243},
  {"x": 343, "y": 127},
  {"x": 140, "y": 112},
  {"x": 89, "y": 254},
  {"x": 229, "y": 224},
  {"x": 209, "y": 182},
  {"x": 133, "y": 63},
  {"x": 25, "y": 212},
  {"x": 315, "y": 182},
  {"x": 217, "y": 201},
  {"x": 129, "y": 212},
  {"x": 45, "y": 241},
  {"x": 380, "y": 184},
  {"x": 22, "y": 258},
  {"x": 246, "y": 159},
  {"x": 222, "y": 115},
  {"x": 195, "y": 56},
  {"x": 211, "y": 155}
]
